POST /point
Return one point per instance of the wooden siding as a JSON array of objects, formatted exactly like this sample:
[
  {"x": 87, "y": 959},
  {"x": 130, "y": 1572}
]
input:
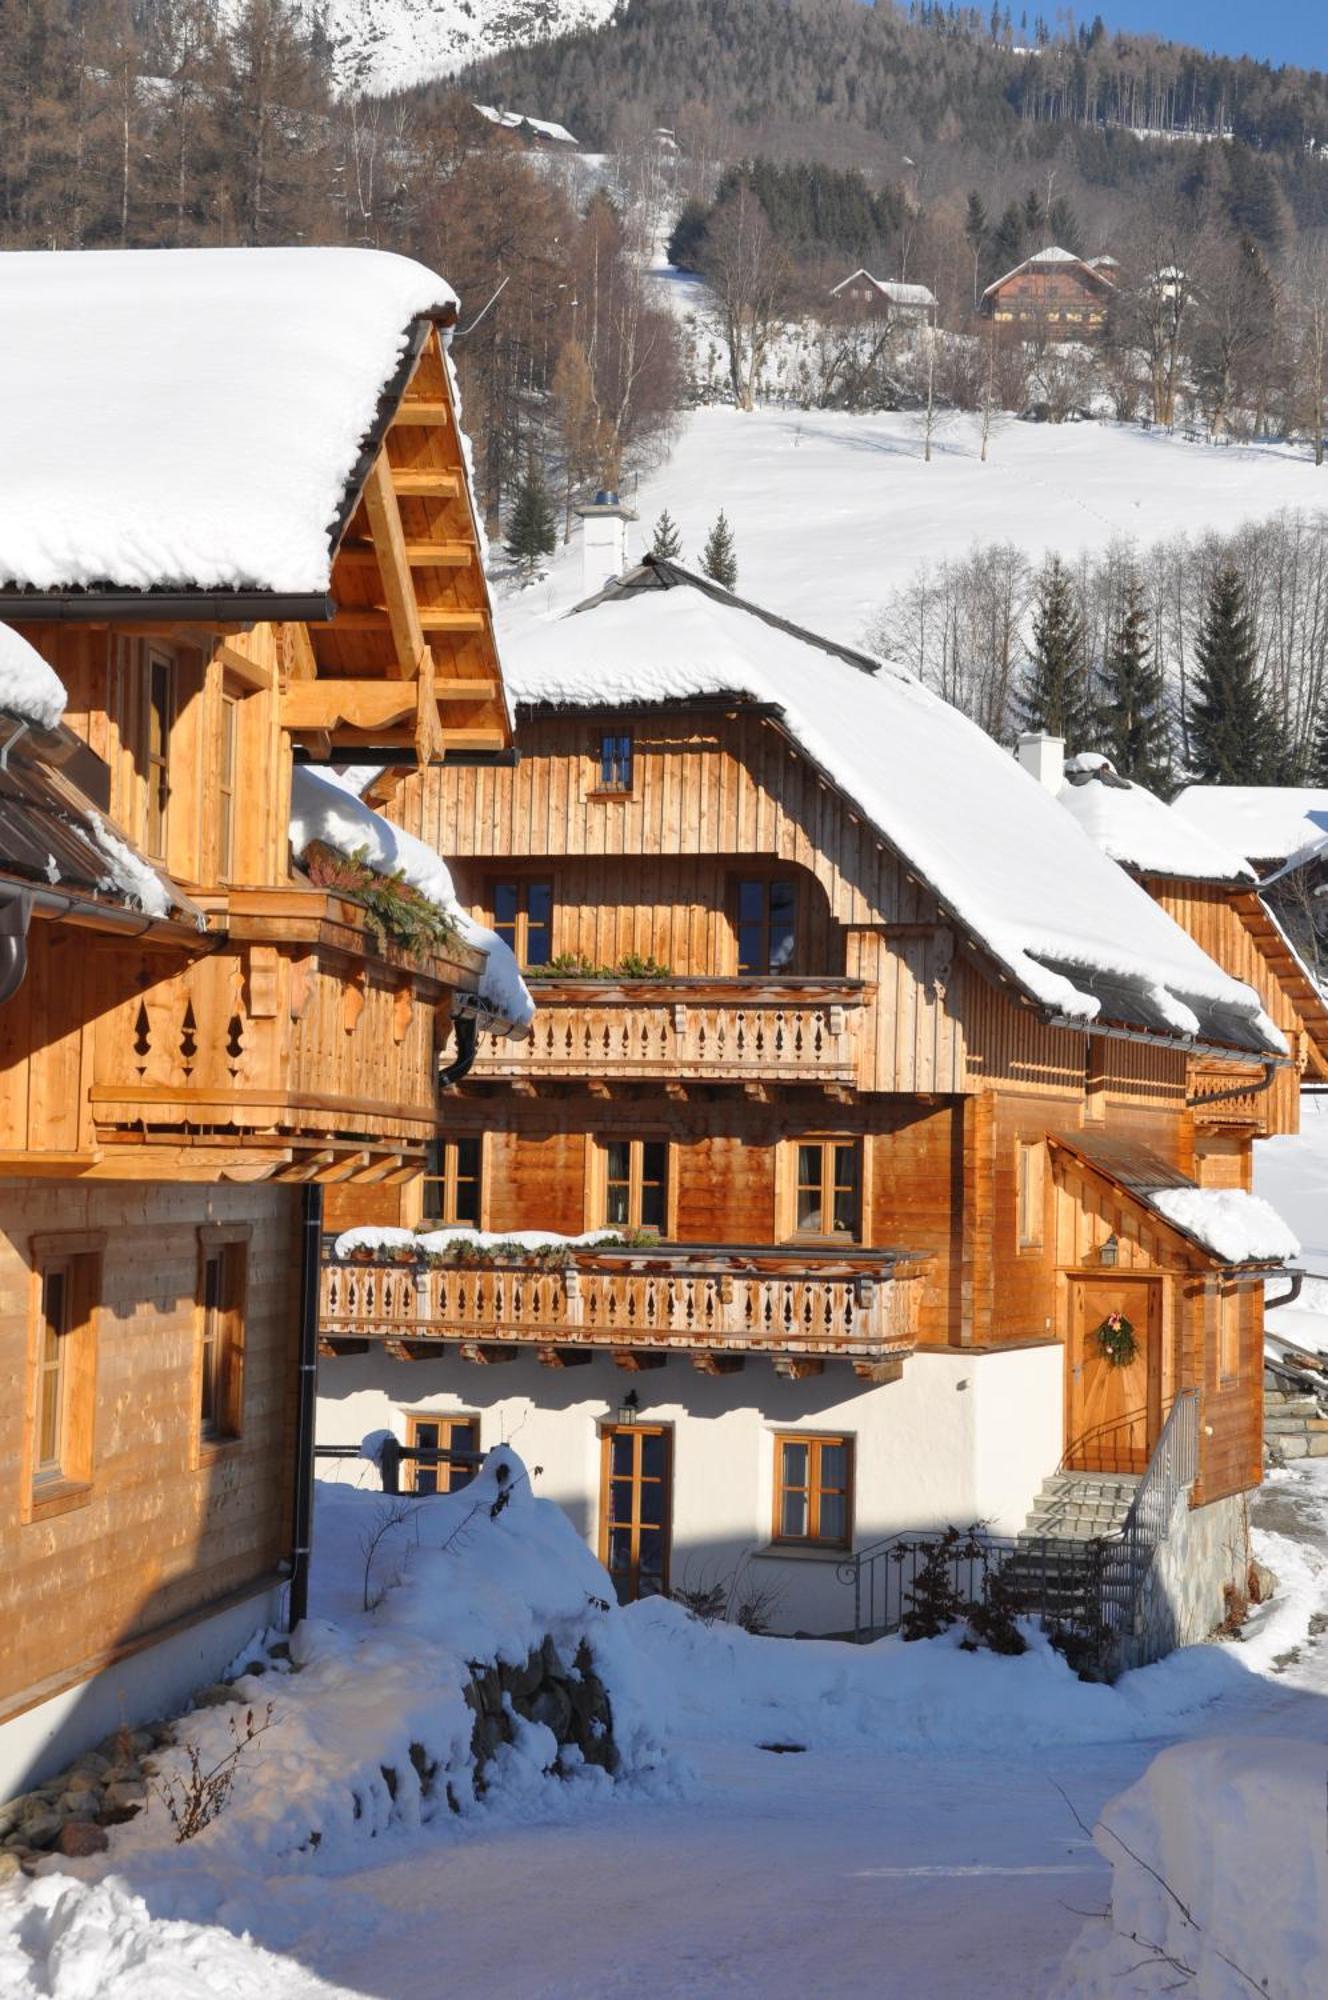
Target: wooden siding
[{"x": 166, "y": 1528}]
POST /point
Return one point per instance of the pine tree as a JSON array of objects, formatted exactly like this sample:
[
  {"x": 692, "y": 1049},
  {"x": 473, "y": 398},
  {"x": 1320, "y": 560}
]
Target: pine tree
[
  {"x": 531, "y": 529},
  {"x": 720, "y": 559},
  {"x": 667, "y": 544},
  {"x": 1133, "y": 730},
  {"x": 1318, "y": 774},
  {"x": 1056, "y": 695},
  {"x": 1233, "y": 736}
]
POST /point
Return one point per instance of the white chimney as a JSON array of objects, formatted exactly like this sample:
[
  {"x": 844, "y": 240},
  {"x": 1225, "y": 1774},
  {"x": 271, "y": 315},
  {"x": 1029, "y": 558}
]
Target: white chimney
[
  {"x": 1043, "y": 757},
  {"x": 603, "y": 541}
]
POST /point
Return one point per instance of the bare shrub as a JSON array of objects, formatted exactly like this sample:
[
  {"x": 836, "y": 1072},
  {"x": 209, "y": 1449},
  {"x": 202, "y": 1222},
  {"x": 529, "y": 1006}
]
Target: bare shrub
[{"x": 194, "y": 1800}]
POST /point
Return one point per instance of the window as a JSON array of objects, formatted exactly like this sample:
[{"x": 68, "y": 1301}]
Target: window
[
  {"x": 441, "y": 1434},
  {"x": 221, "y": 1337},
  {"x": 814, "y": 1491},
  {"x": 63, "y": 1369},
  {"x": 767, "y": 910},
  {"x": 1029, "y": 1198},
  {"x": 828, "y": 1190},
  {"x": 1228, "y": 1344},
  {"x": 615, "y": 762},
  {"x": 636, "y": 1493},
  {"x": 523, "y": 918},
  {"x": 230, "y": 723},
  {"x": 636, "y": 1177},
  {"x": 160, "y": 692},
  {"x": 452, "y": 1185}
]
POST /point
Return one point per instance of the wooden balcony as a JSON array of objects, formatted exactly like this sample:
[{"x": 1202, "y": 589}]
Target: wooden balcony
[
  {"x": 687, "y": 1031},
  {"x": 715, "y": 1304},
  {"x": 291, "y": 1036}
]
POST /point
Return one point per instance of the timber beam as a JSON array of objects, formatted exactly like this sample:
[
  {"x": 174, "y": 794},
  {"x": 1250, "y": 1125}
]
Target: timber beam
[
  {"x": 710, "y": 1363},
  {"x": 487, "y": 1353},
  {"x": 564, "y": 1357},
  {"x": 879, "y": 1372},
  {"x": 403, "y": 613},
  {"x": 798, "y": 1367},
  {"x": 636, "y": 1361},
  {"x": 330, "y": 1345}
]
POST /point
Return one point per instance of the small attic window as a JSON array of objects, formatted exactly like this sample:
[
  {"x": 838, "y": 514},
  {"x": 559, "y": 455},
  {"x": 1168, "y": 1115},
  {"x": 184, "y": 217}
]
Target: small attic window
[{"x": 615, "y": 772}]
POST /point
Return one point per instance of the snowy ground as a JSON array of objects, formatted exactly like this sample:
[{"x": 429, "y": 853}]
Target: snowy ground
[
  {"x": 831, "y": 511},
  {"x": 923, "y": 1844}
]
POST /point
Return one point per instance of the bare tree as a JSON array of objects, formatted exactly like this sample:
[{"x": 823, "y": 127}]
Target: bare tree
[
  {"x": 1308, "y": 289},
  {"x": 749, "y": 273}
]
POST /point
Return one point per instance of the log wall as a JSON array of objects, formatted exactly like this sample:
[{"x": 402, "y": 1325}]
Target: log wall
[{"x": 168, "y": 1528}]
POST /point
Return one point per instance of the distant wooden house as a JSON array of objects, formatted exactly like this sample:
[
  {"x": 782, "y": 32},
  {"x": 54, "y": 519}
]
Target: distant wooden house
[
  {"x": 882, "y": 1076},
  {"x": 1282, "y": 832},
  {"x": 883, "y": 297},
  {"x": 1052, "y": 294},
  {"x": 539, "y": 133},
  {"x": 235, "y": 527}
]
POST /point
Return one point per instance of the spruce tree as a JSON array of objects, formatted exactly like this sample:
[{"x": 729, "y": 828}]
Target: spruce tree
[
  {"x": 667, "y": 544},
  {"x": 532, "y": 531},
  {"x": 1056, "y": 695},
  {"x": 719, "y": 559},
  {"x": 1319, "y": 753},
  {"x": 1133, "y": 730},
  {"x": 1233, "y": 736}
]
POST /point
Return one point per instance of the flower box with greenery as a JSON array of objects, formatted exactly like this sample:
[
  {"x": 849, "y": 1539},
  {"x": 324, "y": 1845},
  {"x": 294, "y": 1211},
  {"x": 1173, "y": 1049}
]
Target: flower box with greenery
[
  {"x": 508, "y": 1254},
  {"x": 1115, "y": 1338},
  {"x": 572, "y": 965},
  {"x": 396, "y": 914}
]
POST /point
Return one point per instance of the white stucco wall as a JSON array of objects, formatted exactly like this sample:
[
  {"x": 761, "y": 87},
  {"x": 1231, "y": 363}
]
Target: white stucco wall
[
  {"x": 960, "y": 1438},
  {"x": 148, "y": 1685}
]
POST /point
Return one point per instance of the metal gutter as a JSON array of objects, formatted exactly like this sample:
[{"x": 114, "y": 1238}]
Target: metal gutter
[
  {"x": 131, "y": 923},
  {"x": 1181, "y": 1043},
  {"x": 139, "y": 607}
]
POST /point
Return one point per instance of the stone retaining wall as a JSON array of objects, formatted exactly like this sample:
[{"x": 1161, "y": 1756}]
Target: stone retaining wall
[
  {"x": 1184, "y": 1600},
  {"x": 1294, "y": 1424}
]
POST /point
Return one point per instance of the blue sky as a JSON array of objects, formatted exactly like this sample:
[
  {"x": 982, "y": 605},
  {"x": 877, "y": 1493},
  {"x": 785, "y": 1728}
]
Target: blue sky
[{"x": 1279, "y": 31}]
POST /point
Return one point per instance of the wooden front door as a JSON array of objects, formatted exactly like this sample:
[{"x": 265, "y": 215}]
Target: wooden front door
[
  {"x": 635, "y": 1509},
  {"x": 1111, "y": 1413}
]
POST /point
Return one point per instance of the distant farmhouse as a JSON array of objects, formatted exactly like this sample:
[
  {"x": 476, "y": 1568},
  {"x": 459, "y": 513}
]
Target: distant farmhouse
[
  {"x": 882, "y": 296},
  {"x": 536, "y": 132},
  {"x": 1053, "y": 292}
]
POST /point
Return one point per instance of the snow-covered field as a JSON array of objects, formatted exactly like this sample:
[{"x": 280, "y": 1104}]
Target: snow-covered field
[{"x": 831, "y": 511}]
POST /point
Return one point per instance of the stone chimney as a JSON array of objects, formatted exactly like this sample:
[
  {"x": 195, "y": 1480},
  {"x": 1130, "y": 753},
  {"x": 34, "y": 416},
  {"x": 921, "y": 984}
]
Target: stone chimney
[
  {"x": 603, "y": 540},
  {"x": 1043, "y": 757}
]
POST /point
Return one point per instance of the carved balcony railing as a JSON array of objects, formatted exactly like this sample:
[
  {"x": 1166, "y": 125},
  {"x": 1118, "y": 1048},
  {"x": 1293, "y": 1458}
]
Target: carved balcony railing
[
  {"x": 688, "y": 1030},
  {"x": 716, "y": 1304},
  {"x": 290, "y": 1031}
]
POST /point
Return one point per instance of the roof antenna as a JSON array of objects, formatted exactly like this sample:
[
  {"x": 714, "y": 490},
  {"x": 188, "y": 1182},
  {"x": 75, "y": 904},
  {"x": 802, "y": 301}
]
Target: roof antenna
[{"x": 462, "y": 332}]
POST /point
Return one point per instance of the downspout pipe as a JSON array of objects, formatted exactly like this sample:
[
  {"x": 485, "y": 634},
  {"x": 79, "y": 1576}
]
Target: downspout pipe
[
  {"x": 15, "y": 916},
  {"x": 1295, "y": 1280},
  {"x": 467, "y": 1045},
  {"x": 302, "y": 1510},
  {"x": 1266, "y": 1082}
]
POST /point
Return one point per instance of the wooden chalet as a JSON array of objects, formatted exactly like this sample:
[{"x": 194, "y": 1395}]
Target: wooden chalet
[
  {"x": 235, "y": 529},
  {"x": 1054, "y": 294},
  {"x": 897, "y": 1067},
  {"x": 884, "y": 298}
]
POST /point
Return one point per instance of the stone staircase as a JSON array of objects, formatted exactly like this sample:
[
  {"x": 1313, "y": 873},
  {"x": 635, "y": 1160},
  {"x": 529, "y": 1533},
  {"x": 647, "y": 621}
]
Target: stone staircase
[
  {"x": 1073, "y": 1509},
  {"x": 1294, "y": 1425}
]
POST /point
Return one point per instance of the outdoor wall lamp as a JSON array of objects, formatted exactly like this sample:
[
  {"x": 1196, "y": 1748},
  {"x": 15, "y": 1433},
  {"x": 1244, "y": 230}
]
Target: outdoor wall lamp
[
  {"x": 1109, "y": 1252},
  {"x": 630, "y": 1408}
]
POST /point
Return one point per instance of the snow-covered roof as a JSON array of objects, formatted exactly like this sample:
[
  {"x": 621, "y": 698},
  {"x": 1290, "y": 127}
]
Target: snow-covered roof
[
  {"x": 1053, "y": 254},
  {"x": 1136, "y": 828},
  {"x": 191, "y": 419},
  {"x": 1266, "y": 823},
  {"x": 1070, "y": 928},
  {"x": 517, "y": 121},
  {"x": 890, "y": 288},
  {"x": 326, "y": 807},
  {"x": 29, "y": 689},
  {"x": 1239, "y": 1228}
]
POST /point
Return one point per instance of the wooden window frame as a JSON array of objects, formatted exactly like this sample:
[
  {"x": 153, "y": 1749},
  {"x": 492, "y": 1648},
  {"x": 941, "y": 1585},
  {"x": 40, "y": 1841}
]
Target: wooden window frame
[
  {"x": 815, "y": 1489},
  {"x": 229, "y": 710},
  {"x": 520, "y": 925},
  {"x": 1030, "y": 1183},
  {"x": 445, "y": 1420},
  {"x": 1230, "y": 1332},
  {"x": 765, "y": 880},
  {"x": 228, "y": 1245},
  {"x": 608, "y": 787},
  {"x": 597, "y": 1189},
  {"x": 450, "y": 1179},
  {"x": 157, "y": 769},
  {"x": 788, "y": 1185},
  {"x": 47, "y": 1491},
  {"x": 608, "y": 1432}
]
